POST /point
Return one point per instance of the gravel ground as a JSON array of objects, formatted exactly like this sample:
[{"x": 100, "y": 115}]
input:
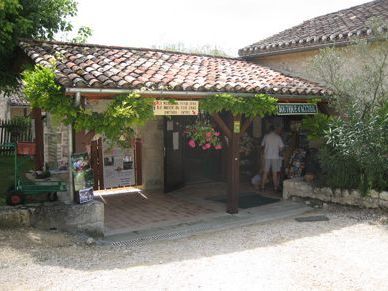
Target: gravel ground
[{"x": 350, "y": 251}]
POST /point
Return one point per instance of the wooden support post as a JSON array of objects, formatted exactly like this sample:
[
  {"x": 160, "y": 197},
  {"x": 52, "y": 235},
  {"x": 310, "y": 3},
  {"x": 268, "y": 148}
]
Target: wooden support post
[
  {"x": 225, "y": 129},
  {"x": 100, "y": 164},
  {"x": 138, "y": 161},
  {"x": 233, "y": 155},
  {"x": 233, "y": 133},
  {"x": 234, "y": 159},
  {"x": 39, "y": 157}
]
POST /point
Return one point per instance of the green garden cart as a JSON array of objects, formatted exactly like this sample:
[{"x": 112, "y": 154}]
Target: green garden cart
[{"x": 21, "y": 186}]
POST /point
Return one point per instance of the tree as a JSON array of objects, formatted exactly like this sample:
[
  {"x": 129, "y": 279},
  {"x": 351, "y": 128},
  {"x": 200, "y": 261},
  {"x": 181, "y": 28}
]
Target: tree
[
  {"x": 205, "y": 49},
  {"x": 84, "y": 32},
  {"x": 40, "y": 19},
  {"x": 357, "y": 138}
]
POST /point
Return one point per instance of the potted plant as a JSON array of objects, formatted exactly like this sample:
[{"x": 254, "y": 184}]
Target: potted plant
[{"x": 203, "y": 135}]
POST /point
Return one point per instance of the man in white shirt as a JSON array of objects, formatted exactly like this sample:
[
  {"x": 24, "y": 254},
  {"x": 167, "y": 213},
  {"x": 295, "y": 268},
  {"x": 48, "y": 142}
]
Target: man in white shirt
[{"x": 272, "y": 145}]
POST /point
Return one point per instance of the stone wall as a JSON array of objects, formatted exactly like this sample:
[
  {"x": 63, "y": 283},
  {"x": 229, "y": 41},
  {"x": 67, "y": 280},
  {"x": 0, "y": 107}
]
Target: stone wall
[
  {"x": 14, "y": 217},
  {"x": 295, "y": 64},
  {"x": 153, "y": 158},
  {"x": 16, "y": 111},
  {"x": 87, "y": 218},
  {"x": 56, "y": 138},
  {"x": 4, "y": 108},
  {"x": 300, "y": 188},
  {"x": 299, "y": 63}
]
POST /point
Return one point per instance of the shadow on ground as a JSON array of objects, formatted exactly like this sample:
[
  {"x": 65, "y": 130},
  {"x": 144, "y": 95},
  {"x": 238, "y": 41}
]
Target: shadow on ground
[{"x": 67, "y": 251}]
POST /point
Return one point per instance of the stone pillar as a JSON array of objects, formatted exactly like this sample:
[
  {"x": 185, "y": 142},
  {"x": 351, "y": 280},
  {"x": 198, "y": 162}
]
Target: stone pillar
[{"x": 153, "y": 157}]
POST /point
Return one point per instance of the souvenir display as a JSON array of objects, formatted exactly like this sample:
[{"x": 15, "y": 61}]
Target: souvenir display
[{"x": 297, "y": 163}]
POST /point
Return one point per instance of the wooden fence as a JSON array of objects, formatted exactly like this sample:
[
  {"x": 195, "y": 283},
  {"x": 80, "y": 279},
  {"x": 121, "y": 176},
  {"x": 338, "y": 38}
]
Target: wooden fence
[{"x": 13, "y": 131}]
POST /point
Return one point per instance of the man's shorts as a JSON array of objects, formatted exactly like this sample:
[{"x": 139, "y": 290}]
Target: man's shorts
[{"x": 274, "y": 164}]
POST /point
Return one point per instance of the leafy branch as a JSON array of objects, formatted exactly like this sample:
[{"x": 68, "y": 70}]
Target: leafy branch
[{"x": 117, "y": 123}]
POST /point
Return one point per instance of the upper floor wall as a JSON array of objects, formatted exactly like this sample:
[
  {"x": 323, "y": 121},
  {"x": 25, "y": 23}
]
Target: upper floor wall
[{"x": 299, "y": 63}]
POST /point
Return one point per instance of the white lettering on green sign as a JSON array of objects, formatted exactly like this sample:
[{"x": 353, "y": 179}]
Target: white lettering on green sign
[{"x": 297, "y": 108}]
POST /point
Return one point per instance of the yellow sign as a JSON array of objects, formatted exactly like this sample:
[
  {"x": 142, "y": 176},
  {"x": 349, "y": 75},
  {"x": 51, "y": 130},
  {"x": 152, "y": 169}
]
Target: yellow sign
[
  {"x": 236, "y": 126},
  {"x": 165, "y": 107}
]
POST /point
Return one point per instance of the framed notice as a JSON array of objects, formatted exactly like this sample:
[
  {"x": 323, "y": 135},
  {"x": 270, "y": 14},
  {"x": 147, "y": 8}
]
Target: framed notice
[
  {"x": 118, "y": 166},
  {"x": 165, "y": 107},
  {"x": 86, "y": 195}
]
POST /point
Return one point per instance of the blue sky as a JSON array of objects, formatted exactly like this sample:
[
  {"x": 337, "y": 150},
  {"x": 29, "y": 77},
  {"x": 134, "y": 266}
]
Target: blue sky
[{"x": 226, "y": 24}]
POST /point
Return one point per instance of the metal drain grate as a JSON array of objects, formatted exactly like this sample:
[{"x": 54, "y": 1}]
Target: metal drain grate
[
  {"x": 141, "y": 240},
  {"x": 170, "y": 235},
  {"x": 312, "y": 218}
]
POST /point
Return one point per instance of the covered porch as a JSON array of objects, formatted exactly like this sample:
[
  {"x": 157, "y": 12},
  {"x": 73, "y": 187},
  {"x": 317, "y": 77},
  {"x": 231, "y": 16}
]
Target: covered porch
[{"x": 94, "y": 74}]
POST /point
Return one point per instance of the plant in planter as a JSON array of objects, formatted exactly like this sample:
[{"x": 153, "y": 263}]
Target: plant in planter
[{"x": 203, "y": 135}]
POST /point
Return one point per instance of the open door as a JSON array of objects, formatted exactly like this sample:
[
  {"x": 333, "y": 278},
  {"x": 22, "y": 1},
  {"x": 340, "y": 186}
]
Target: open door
[{"x": 174, "y": 176}]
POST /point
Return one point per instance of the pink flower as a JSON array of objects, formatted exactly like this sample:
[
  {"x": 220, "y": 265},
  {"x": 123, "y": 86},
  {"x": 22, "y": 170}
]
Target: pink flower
[
  {"x": 191, "y": 143},
  {"x": 218, "y": 147},
  {"x": 209, "y": 134},
  {"x": 217, "y": 133},
  {"x": 208, "y": 145}
]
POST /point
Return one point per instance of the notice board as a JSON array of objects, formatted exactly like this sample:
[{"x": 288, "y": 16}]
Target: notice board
[{"x": 118, "y": 166}]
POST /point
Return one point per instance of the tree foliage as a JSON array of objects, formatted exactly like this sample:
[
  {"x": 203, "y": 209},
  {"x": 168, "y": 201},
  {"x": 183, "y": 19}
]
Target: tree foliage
[
  {"x": 316, "y": 125},
  {"x": 355, "y": 151},
  {"x": 205, "y": 49},
  {"x": 117, "y": 123},
  {"x": 40, "y": 19},
  {"x": 83, "y": 33},
  {"x": 357, "y": 74}
]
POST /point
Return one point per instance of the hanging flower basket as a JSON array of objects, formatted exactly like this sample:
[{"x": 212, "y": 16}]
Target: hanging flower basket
[{"x": 203, "y": 135}]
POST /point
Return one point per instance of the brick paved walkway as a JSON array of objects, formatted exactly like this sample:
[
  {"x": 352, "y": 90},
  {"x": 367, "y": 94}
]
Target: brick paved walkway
[{"x": 133, "y": 211}]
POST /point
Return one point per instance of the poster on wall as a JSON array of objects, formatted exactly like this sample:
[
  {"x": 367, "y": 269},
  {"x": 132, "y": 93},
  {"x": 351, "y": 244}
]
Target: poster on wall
[
  {"x": 82, "y": 177},
  {"x": 119, "y": 167}
]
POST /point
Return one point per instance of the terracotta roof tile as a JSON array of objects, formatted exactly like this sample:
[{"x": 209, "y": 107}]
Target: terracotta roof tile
[
  {"x": 16, "y": 98},
  {"x": 134, "y": 68},
  {"x": 323, "y": 30}
]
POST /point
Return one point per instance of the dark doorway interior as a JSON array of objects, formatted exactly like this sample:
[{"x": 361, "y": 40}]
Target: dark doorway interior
[{"x": 185, "y": 165}]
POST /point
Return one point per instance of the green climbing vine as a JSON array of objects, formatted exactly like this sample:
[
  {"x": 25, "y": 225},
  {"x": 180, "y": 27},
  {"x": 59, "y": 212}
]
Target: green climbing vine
[
  {"x": 257, "y": 105},
  {"x": 126, "y": 112},
  {"x": 117, "y": 123}
]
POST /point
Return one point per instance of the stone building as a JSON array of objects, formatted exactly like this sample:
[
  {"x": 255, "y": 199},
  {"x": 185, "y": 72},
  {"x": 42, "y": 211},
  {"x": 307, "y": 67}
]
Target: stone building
[
  {"x": 96, "y": 74},
  {"x": 290, "y": 51},
  {"x": 13, "y": 105}
]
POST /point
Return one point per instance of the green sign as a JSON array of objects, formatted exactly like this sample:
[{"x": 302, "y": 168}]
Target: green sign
[{"x": 297, "y": 108}]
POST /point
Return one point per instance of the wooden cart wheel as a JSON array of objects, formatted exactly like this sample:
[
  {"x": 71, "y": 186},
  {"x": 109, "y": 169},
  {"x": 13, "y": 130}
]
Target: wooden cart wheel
[
  {"x": 52, "y": 196},
  {"x": 15, "y": 198}
]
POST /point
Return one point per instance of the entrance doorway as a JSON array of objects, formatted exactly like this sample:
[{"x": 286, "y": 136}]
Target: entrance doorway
[{"x": 184, "y": 165}]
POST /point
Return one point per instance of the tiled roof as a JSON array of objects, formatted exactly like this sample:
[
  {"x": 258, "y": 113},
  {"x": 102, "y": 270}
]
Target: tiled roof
[
  {"x": 97, "y": 66},
  {"x": 16, "y": 98},
  {"x": 323, "y": 30}
]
